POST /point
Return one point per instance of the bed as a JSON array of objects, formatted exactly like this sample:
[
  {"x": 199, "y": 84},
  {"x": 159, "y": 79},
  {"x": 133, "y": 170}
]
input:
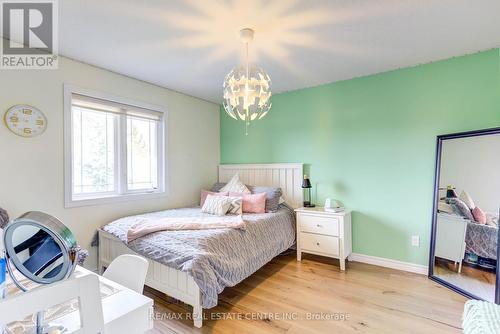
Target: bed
[
  {"x": 481, "y": 240},
  {"x": 456, "y": 236},
  {"x": 195, "y": 266}
]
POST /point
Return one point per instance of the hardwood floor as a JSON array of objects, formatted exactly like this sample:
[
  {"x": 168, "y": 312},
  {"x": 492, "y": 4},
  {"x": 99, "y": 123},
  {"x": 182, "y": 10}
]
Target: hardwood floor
[
  {"x": 479, "y": 282},
  {"x": 283, "y": 295}
]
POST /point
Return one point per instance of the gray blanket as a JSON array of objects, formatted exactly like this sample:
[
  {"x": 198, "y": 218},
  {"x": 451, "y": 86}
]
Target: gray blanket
[
  {"x": 481, "y": 240},
  {"x": 214, "y": 258}
]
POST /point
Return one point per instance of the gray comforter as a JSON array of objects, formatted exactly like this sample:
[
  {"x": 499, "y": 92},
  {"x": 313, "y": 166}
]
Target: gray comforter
[
  {"x": 481, "y": 240},
  {"x": 214, "y": 258}
]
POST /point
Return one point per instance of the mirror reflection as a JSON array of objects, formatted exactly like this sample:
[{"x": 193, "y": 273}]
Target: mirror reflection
[
  {"x": 466, "y": 238},
  {"x": 37, "y": 251}
]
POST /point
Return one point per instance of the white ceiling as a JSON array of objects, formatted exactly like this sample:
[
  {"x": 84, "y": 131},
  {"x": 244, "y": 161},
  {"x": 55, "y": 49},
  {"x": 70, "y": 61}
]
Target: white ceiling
[{"x": 190, "y": 45}]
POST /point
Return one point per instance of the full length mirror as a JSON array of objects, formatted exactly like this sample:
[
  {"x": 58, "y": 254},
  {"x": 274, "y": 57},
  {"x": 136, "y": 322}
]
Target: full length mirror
[{"x": 464, "y": 248}]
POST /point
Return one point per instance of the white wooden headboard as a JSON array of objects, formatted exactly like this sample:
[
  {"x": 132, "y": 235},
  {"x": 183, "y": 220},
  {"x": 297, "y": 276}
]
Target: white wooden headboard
[{"x": 286, "y": 176}]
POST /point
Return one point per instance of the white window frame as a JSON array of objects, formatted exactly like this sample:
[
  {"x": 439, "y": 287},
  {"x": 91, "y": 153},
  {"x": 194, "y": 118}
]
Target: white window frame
[{"x": 121, "y": 159}]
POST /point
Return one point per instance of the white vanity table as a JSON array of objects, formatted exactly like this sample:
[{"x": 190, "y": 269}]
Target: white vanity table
[{"x": 124, "y": 310}]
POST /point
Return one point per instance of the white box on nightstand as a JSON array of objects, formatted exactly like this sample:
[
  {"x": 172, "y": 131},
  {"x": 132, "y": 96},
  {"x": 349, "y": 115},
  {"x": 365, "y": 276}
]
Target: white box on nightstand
[{"x": 324, "y": 233}]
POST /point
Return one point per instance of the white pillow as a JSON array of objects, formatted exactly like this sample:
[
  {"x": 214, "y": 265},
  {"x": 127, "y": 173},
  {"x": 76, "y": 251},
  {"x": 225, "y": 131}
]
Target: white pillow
[
  {"x": 235, "y": 186},
  {"x": 216, "y": 205},
  {"x": 465, "y": 197},
  {"x": 236, "y": 207}
]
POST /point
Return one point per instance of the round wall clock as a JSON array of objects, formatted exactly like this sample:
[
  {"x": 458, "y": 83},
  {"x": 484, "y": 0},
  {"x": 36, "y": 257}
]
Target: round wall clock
[{"x": 25, "y": 120}]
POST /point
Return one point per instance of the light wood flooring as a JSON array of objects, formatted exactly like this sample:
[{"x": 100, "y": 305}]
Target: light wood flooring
[
  {"x": 479, "y": 282},
  {"x": 281, "y": 296}
]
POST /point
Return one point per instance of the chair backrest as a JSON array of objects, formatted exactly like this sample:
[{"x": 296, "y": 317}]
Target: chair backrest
[
  {"x": 129, "y": 271},
  {"x": 85, "y": 288}
]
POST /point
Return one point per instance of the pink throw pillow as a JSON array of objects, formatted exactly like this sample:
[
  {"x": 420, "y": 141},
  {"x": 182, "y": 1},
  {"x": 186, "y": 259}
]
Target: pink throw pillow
[
  {"x": 479, "y": 215},
  {"x": 205, "y": 193},
  {"x": 252, "y": 203}
]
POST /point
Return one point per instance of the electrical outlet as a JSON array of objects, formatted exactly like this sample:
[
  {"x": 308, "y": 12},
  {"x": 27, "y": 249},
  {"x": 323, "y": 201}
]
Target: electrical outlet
[{"x": 415, "y": 241}]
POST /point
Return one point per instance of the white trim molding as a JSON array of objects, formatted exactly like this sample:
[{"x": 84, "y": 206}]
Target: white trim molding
[{"x": 390, "y": 263}]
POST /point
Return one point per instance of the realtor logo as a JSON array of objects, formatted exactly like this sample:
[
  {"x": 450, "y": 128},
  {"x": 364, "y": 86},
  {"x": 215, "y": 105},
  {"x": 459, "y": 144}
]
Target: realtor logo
[{"x": 29, "y": 31}]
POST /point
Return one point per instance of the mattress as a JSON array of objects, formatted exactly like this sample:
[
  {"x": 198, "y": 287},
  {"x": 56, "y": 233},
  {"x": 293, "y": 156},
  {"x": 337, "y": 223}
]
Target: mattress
[{"x": 215, "y": 258}]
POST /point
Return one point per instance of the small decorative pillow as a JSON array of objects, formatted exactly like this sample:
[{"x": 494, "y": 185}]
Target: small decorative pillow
[
  {"x": 205, "y": 193},
  {"x": 252, "y": 203},
  {"x": 460, "y": 208},
  {"x": 236, "y": 186},
  {"x": 273, "y": 195},
  {"x": 479, "y": 215},
  {"x": 236, "y": 207},
  {"x": 465, "y": 197},
  {"x": 216, "y": 205}
]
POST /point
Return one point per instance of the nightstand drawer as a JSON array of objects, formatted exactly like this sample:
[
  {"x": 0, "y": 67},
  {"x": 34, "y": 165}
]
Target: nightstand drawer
[
  {"x": 319, "y": 243},
  {"x": 320, "y": 225}
]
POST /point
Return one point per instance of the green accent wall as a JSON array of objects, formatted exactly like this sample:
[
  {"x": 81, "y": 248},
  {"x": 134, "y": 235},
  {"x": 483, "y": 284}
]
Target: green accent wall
[{"x": 370, "y": 143}]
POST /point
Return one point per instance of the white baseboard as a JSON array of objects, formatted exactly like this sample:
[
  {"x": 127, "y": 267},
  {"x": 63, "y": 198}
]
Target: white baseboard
[{"x": 389, "y": 263}]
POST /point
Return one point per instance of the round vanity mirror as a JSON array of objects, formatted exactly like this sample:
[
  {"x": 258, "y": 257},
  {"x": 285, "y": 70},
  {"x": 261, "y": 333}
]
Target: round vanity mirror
[
  {"x": 40, "y": 247},
  {"x": 43, "y": 250}
]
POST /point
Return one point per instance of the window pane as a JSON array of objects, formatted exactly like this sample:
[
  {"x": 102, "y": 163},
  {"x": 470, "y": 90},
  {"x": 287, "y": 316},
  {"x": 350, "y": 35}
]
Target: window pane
[
  {"x": 141, "y": 154},
  {"x": 93, "y": 151}
]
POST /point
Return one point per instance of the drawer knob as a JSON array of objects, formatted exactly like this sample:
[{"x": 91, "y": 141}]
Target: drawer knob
[
  {"x": 319, "y": 225},
  {"x": 317, "y": 243}
]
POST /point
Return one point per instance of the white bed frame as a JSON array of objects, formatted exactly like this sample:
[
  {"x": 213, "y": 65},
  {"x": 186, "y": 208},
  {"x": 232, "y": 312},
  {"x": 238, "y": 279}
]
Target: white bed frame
[{"x": 180, "y": 285}]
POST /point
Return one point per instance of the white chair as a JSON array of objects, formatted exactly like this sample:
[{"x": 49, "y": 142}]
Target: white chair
[
  {"x": 85, "y": 288},
  {"x": 129, "y": 271}
]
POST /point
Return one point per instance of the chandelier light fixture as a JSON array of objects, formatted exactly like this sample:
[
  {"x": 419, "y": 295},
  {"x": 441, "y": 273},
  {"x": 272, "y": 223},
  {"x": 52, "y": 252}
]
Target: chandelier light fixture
[{"x": 247, "y": 89}]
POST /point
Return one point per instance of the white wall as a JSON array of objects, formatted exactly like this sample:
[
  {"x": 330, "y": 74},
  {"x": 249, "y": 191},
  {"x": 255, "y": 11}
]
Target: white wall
[
  {"x": 31, "y": 169},
  {"x": 473, "y": 164}
]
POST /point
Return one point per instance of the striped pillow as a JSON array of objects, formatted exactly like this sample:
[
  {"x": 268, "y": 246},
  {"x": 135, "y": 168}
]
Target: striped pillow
[
  {"x": 205, "y": 193},
  {"x": 216, "y": 205},
  {"x": 236, "y": 207}
]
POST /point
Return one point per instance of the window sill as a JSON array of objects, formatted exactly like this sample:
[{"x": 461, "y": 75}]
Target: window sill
[{"x": 108, "y": 199}]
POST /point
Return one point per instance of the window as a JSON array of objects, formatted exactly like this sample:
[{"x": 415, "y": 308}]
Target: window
[{"x": 114, "y": 149}]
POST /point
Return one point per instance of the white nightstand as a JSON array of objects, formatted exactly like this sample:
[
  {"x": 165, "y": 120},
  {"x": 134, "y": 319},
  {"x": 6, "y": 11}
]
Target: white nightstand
[
  {"x": 324, "y": 233},
  {"x": 450, "y": 238}
]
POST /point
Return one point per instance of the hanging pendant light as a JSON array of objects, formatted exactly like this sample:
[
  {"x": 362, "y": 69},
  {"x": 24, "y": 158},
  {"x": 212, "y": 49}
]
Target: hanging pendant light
[{"x": 247, "y": 89}]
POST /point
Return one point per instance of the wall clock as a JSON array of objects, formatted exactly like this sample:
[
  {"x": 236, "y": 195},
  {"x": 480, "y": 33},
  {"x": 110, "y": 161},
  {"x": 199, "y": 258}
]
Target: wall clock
[{"x": 25, "y": 120}]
